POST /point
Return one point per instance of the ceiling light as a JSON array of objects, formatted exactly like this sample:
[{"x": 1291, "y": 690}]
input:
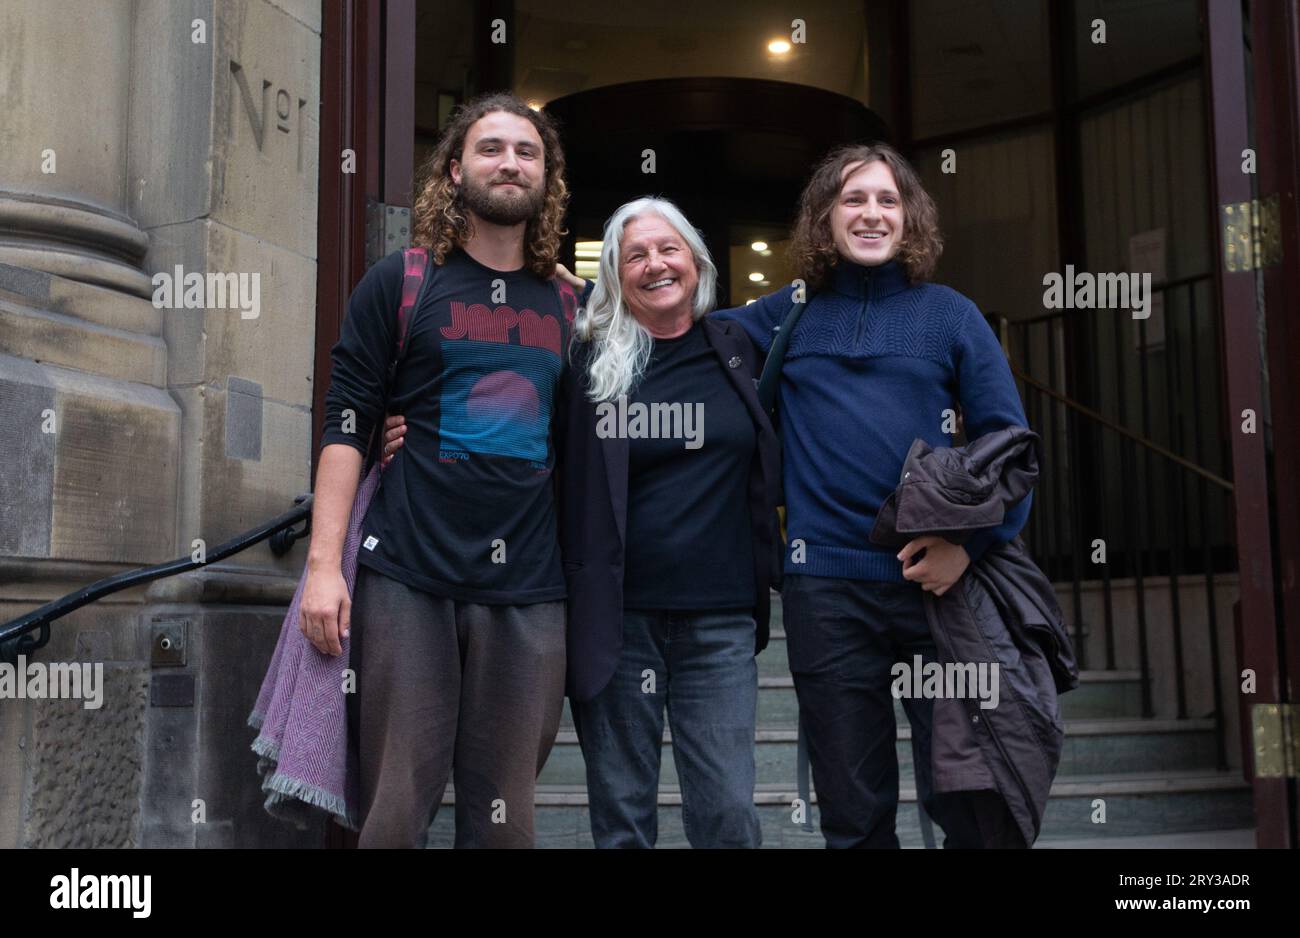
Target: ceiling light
[
  {"x": 759, "y": 245},
  {"x": 756, "y": 277},
  {"x": 778, "y": 47}
]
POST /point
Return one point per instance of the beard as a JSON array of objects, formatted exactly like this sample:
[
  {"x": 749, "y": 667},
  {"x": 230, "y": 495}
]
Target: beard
[{"x": 502, "y": 208}]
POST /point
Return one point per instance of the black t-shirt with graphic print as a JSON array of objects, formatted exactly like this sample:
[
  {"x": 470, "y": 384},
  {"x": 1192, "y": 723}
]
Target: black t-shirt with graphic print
[{"x": 466, "y": 509}]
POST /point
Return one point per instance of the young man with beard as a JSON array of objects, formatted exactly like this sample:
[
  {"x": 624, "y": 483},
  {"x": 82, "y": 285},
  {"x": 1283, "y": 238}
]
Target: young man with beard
[{"x": 457, "y": 619}]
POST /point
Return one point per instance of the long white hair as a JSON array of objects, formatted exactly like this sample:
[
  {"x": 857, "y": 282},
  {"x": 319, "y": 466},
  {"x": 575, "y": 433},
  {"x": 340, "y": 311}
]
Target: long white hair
[{"x": 622, "y": 345}]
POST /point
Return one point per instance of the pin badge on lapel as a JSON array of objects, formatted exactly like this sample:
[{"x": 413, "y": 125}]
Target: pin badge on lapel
[{"x": 734, "y": 361}]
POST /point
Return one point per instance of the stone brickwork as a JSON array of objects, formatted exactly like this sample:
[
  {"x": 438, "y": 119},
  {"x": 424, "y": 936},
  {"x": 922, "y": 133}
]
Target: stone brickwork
[{"x": 87, "y": 766}]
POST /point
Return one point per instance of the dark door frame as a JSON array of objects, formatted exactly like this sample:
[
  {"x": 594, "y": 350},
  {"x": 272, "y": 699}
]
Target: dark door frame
[
  {"x": 1275, "y": 28},
  {"x": 1260, "y": 636},
  {"x": 367, "y": 79}
]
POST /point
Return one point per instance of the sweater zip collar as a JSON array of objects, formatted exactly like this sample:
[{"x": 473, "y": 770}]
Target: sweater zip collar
[
  {"x": 869, "y": 278},
  {"x": 868, "y": 283}
]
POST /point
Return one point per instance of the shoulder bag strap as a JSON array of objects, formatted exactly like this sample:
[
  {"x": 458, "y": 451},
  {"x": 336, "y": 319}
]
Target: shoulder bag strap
[{"x": 770, "y": 380}]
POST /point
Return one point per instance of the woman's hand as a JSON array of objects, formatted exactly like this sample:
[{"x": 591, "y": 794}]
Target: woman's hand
[
  {"x": 572, "y": 279},
  {"x": 942, "y": 566},
  {"x": 394, "y": 431}
]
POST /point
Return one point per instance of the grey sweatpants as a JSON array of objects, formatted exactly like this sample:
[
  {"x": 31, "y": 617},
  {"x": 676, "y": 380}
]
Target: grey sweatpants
[{"x": 442, "y": 683}]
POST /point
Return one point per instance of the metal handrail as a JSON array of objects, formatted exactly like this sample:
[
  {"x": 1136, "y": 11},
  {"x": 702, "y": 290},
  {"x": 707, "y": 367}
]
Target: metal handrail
[
  {"x": 15, "y": 641},
  {"x": 1119, "y": 428},
  {"x": 1000, "y": 322}
]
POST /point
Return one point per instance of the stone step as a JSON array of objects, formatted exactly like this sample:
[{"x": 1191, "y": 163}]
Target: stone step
[
  {"x": 1241, "y": 838},
  {"x": 1091, "y": 747},
  {"x": 1136, "y": 805},
  {"x": 774, "y": 661},
  {"x": 1100, "y": 695}
]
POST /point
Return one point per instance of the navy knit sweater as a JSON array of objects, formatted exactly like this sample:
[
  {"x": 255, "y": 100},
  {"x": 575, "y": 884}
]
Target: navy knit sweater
[{"x": 873, "y": 364}]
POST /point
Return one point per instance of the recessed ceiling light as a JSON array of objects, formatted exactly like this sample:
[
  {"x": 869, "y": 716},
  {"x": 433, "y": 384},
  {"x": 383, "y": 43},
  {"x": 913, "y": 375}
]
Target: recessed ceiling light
[
  {"x": 759, "y": 245},
  {"x": 535, "y": 105},
  {"x": 756, "y": 277},
  {"x": 778, "y": 47}
]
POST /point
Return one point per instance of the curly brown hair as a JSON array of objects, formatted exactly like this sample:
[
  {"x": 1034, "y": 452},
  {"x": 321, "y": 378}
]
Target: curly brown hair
[
  {"x": 441, "y": 221},
  {"x": 812, "y": 245}
]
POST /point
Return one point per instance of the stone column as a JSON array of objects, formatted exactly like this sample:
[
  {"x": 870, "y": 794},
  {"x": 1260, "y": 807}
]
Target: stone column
[
  {"x": 63, "y": 181},
  {"x": 88, "y": 463}
]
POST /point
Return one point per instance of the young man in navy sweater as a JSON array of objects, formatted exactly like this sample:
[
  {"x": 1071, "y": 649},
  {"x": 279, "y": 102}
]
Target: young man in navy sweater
[
  {"x": 457, "y": 620},
  {"x": 879, "y": 359}
]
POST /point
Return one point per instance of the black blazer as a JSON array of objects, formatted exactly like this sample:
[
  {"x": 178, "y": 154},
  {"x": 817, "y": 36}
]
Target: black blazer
[{"x": 591, "y": 488}]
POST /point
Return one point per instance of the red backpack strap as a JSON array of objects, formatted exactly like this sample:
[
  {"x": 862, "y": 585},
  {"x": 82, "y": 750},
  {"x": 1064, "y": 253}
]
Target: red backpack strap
[
  {"x": 568, "y": 297},
  {"x": 415, "y": 264}
]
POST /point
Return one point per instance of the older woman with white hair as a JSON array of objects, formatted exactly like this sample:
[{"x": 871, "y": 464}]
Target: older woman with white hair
[{"x": 668, "y": 478}]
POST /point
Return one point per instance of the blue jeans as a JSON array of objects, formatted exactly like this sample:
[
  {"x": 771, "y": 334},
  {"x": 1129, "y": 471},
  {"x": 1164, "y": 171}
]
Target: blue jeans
[{"x": 701, "y": 665}]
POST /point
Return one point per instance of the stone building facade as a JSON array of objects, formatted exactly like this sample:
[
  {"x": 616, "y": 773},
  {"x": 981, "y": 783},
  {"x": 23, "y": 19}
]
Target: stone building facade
[{"x": 139, "y": 136}]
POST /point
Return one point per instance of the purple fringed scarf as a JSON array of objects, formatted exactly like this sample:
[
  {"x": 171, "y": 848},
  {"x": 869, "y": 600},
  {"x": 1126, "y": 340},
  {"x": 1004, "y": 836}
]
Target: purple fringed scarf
[{"x": 301, "y": 711}]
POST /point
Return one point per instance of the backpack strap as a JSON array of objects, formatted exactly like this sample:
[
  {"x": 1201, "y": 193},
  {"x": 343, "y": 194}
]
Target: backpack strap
[
  {"x": 415, "y": 270},
  {"x": 415, "y": 264},
  {"x": 568, "y": 298}
]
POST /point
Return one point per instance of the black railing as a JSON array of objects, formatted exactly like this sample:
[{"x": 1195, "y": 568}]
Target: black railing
[
  {"x": 1140, "y": 496},
  {"x": 1159, "y": 378},
  {"x": 16, "y": 638}
]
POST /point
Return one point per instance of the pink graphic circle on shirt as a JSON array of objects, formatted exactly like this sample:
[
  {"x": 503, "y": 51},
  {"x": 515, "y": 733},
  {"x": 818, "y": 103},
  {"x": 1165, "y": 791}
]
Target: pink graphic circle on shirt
[{"x": 503, "y": 394}]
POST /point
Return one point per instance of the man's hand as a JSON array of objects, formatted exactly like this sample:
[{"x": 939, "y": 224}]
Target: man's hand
[
  {"x": 942, "y": 566},
  {"x": 394, "y": 431},
  {"x": 326, "y": 611}
]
